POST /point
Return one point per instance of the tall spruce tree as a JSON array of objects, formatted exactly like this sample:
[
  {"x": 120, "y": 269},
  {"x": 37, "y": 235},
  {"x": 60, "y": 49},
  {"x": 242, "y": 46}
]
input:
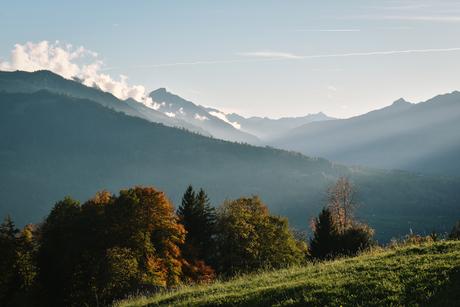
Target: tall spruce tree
[
  {"x": 325, "y": 242},
  {"x": 199, "y": 220}
]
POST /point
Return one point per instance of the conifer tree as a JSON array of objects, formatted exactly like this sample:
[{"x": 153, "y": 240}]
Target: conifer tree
[
  {"x": 326, "y": 238},
  {"x": 198, "y": 218}
]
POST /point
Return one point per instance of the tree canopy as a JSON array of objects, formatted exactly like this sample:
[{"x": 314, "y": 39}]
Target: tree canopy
[{"x": 249, "y": 238}]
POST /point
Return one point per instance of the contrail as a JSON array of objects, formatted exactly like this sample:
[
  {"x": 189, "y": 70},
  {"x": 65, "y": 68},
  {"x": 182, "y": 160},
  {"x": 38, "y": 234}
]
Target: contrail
[
  {"x": 196, "y": 63},
  {"x": 376, "y": 53},
  {"x": 302, "y": 57}
]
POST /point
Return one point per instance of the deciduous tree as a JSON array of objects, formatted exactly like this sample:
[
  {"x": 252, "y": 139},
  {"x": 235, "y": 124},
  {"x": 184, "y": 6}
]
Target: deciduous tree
[
  {"x": 341, "y": 197},
  {"x": 249, "y": 238}
]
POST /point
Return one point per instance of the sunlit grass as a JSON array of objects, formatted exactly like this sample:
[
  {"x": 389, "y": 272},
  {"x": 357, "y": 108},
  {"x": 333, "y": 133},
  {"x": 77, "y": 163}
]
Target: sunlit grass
[{"x": 417, "y": 275}]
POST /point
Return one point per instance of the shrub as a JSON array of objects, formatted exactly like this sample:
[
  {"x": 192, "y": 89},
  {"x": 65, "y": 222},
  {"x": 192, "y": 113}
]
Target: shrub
[
  {"x": 354, "y": 240},
  {"x": 455, "y": 232}
]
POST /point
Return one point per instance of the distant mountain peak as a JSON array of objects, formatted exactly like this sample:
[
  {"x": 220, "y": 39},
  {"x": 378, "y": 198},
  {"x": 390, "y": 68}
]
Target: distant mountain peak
[
  {"x": 161, "y": 90},
  {"x": 400, "y": 102}
]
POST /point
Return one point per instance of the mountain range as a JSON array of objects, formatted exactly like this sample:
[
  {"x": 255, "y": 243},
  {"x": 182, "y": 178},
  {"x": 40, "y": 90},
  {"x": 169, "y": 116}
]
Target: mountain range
[
  {"x": 422, "y": 137},
  {"x": 166, "y": 108},
  {"x": 59, "y": 137}
]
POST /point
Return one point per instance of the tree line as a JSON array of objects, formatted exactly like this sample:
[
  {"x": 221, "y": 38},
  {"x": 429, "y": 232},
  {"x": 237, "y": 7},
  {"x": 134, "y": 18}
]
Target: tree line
[{"x": 95, "y": 251}]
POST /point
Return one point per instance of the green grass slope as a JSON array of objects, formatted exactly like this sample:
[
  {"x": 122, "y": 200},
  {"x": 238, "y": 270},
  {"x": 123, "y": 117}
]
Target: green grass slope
[{"x": 417, "y": 275}]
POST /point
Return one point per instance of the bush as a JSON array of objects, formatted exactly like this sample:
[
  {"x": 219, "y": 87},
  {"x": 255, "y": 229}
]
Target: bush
[
  {"x": 354, "y": 240},
  {"x": 454, "y": 234}
]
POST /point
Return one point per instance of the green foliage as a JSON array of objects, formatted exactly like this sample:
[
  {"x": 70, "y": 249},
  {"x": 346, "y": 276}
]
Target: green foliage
[
  {"x": 455, "y": 232},
  {"x": 59, "y": 253},
  {"x": 422, "y": 275},
  {"x": 16, "y": 264},
  {"x": 325, "y": 241},
  {"x": 434, "y": 236},
  {"x": 248, "y": 238},
  {"x": 355, "y": 239}
]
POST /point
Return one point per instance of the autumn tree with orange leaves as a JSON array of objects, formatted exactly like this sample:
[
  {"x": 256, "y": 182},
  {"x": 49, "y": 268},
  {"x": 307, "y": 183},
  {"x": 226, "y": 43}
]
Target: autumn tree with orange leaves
[
  {"x": 342, "y": 199},
  {"x": 110, "y": 244}
]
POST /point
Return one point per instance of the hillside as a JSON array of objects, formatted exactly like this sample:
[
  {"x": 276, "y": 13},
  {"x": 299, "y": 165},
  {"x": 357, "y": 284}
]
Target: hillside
[
  {"x": 29, "y": 82},
  {"x": 420, "y": 275},
  {"x": 419, "y": 137},
  {"x": 53, "y": 145},
  {"x": 180, "y": 108}
]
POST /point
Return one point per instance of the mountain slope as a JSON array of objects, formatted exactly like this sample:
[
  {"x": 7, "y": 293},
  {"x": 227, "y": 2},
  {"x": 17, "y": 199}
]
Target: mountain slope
[
  {"x": 178, "y": 107},
  {"x": 420, "y": 138},
  {"x": 53, "y": 145},
  {"x": 29, "y": 82}
]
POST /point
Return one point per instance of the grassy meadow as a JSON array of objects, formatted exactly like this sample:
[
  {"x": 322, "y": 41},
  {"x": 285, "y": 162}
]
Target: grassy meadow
[{"x": 426, "y": 274}]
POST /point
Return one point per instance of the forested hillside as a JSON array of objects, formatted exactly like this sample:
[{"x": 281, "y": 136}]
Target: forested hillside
[{"x": 54, "y": 145}]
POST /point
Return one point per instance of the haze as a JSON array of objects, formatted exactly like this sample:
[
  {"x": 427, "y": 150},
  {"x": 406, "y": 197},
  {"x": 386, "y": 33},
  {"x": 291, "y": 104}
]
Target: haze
[{"x": 255, "y": 58}]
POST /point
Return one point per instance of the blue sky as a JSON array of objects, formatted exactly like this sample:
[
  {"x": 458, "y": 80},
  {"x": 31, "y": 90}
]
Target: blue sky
[{"x": 256, "y": 58}]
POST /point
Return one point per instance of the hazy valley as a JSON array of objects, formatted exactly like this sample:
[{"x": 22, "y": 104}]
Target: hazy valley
[{"x": 73, "y": 139}]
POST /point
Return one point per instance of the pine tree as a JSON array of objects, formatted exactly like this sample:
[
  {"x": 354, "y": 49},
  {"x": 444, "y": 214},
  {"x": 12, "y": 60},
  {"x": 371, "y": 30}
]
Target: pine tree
[
  {"x": 326, "y": 239},
  {"x": 198, "y": 218}
]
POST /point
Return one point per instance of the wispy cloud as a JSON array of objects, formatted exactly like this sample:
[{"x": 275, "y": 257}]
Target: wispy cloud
[
  {"x": 377, "y": 53},
  {"x": 395, "y": 28},
  {"x": 278, "y": 56},
  {"x": 404, "y": 7},
  {"x": 269, "y": 54},
  {"x": 419, "y": 18},
  {"x": 196, "y": 63},
  {"x": 314, "y": 30}
]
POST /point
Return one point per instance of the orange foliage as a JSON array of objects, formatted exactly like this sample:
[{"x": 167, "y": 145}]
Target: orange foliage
[{"x": 145, "y": 216}]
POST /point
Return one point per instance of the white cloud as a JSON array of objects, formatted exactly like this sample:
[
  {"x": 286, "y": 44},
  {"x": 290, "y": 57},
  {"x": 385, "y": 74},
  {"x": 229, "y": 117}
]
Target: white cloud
[
  {"x": 32, "y": 57},
  {"x": 223, "y": 117},
  {"x": 152, "y": 104},
  {"x": 181, "y": 112},
  {"x": 170, "y": 114},
  {"x": 61, "y": 60},
  {"x": 202, "y": 118}
]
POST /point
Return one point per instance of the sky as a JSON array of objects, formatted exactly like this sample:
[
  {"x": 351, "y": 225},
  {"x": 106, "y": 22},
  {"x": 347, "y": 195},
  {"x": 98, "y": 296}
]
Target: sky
[{"x": 255, "y": 58}]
